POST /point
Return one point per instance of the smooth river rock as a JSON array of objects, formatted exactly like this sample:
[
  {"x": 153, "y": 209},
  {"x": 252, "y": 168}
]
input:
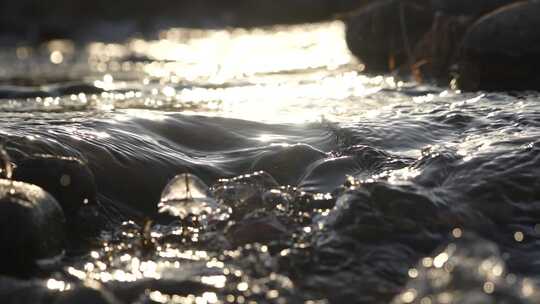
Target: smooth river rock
[
  {"x": 501, "y": 51},
  {"x": 383, "y": 34},
  {"x": 67, "y": 179},
  {"x": 31, "y": 228}
]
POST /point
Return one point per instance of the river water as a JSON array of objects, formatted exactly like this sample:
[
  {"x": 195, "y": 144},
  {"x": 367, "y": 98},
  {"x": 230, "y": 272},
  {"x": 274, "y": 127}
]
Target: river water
[{"x": 385, "y": 190}]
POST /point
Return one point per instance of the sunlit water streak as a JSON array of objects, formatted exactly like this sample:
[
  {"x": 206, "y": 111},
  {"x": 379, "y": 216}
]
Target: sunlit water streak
[{"x": 369, "y": 174}]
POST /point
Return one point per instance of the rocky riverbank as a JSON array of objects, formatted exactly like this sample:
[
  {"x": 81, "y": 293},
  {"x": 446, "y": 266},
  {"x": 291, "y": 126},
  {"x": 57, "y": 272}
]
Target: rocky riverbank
[{"x": 477, "y": 45}]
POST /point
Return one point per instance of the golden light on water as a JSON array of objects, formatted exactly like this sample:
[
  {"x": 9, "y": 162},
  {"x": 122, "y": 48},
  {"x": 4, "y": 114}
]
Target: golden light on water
[
  {"x": 225, "y": 54},
  {"x": 290, "y": 74}
]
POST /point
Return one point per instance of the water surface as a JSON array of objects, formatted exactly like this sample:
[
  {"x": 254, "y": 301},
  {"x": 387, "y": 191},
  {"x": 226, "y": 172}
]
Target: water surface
[{"x": 381, "y": 190}]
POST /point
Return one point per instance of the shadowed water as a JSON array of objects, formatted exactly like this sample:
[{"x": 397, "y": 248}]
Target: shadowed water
[{"x": 374, "y": 190}]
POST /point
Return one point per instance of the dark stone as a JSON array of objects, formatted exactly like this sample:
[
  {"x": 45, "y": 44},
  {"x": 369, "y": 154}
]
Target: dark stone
[
  {"x": 501, "y": 51},
  {"x": 437, "y": 51},
  {"x": 72, "y": 184},
  {"x": 376, "y": 36},
  {"x": 68, "y": 179},
  {"x": 244, "y": 193},
  {"x": 31, "y": 227},
  {"x": 257, "y": 227}
]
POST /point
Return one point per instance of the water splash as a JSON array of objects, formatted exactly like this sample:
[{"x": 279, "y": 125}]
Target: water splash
[{"x": 186, "y": 195}]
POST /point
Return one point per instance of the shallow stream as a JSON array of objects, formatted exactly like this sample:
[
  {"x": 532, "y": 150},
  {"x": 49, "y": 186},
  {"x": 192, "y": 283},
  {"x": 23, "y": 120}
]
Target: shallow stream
[{"x": 380, "y": 190}]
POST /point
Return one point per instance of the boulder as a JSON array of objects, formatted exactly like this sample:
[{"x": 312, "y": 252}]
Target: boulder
[
  {"x": 68, "y": 179},
  {"x": 501, "y": 50},
  {"x": 31, "y": 228},
  {"x": 383, "y": 34},
  {"x": 244, "y": 194}
]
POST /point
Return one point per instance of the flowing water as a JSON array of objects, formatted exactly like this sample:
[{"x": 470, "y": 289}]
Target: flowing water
[{"x": 374, "y": 190}]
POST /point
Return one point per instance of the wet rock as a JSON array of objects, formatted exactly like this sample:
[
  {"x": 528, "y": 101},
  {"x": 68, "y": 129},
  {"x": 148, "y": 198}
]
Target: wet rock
[
  {"x": 277, "y": 199},
  {"x": 72, "y": 184},
  {"x": 31, "y": 227},
  {"x": 501, "y": 50},
  {"x": 288, "y": 163},
  {"x": 67, "y": 179},
  {"x": 244, "y": 193},
  {"x": 383, "y": 34},
  {"x": 438, "y": 50},
  {"x": 402, "y": 209},
  {"x": 374, "y": 271},
  {"x": 258, "y": 227},
  {"x": 85, "y": 226},
  {"x": 507, "y": 189}
]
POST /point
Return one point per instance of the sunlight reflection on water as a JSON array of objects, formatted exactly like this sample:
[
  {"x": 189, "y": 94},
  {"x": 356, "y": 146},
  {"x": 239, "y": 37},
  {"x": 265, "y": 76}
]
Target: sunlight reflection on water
[{"x": 283, "y": 74}]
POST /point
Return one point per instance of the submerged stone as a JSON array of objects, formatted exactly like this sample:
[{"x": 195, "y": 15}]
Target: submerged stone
[
  {"x": 277, "y": 199},
  {"x": 383, "y": 34},
  {"x": 31, "y": 227},
  {"x": 67, "y": 179},
  {"x": 501, "y": 51},
  {"x": 186, "y": 195},
  {"x": 244, "y": 193},
  {"x": 258, "y": 227}
]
